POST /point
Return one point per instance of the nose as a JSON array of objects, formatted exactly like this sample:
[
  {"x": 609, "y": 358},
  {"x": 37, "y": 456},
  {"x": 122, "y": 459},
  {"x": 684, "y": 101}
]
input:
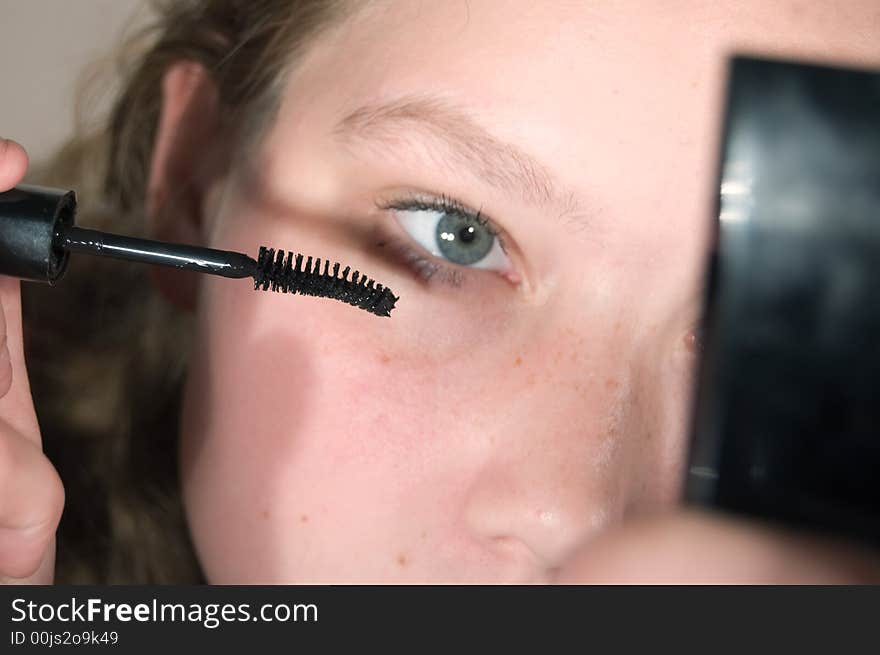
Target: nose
[
  {"x": 562, "y": 464},
  {"x": 529, "y": 508},
  {"x": 594, "y": 434},
  {"x": 575, "y": 453}
]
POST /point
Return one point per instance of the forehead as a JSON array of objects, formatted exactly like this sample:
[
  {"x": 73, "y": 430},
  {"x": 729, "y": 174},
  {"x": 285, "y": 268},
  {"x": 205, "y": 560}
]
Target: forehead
[
  {"x": 570, "y": 78},
  {"x": 512, "y": 50}
]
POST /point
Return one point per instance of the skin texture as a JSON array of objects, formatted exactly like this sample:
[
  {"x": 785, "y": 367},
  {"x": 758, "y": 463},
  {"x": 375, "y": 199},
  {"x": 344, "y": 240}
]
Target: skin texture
[
  {"x": 523, "y": 425},
  {"x": 487, "y": 430}
]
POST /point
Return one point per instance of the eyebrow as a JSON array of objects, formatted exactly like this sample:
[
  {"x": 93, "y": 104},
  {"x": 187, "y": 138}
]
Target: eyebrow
[{"x": 499, "y": 163}]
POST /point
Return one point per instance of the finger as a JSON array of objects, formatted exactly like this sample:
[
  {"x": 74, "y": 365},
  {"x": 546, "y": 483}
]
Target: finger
[
  {"x": 44, "y": 575},
  {"x": 13, "y": 164},
  {"x": 702, "y": 548},
  {"x": 31, "y": 501},
  {"x": 16, "y": 402}
]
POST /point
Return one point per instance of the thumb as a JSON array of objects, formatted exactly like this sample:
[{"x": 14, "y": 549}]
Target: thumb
[
  {"x": 31, "y": 493},
  {"x": 13, "y": 164}
]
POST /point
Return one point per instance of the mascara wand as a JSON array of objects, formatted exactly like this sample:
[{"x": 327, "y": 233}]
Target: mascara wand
[{"x": 37, "y": 235}]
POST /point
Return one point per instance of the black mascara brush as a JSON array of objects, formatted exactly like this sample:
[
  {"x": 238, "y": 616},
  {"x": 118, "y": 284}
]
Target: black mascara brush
[{"x": 37, "y": 235}]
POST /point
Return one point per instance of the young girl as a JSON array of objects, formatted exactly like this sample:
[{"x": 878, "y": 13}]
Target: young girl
[{"x": 523, "y": 414}]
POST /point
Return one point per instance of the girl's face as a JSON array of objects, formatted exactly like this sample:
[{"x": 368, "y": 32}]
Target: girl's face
[{"x": 532, "y": 386}]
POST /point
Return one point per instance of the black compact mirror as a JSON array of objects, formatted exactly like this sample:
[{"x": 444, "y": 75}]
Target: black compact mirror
[{"x": 787, "y": 410}]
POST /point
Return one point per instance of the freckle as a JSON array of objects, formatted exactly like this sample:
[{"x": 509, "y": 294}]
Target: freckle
[
  {"x": 611, "y": 383},
  {"x": 424, "y": 534},
  {"x": 617, "y": 326},
  {"x": 401, "y": 560},
  {"x": 384, "y": 358},
  {"x": 303, "y": 518},
  {"x": 517, "y": 361},
  {"x": 265, "y": 514},
  {"x": 530, "y": 380}
]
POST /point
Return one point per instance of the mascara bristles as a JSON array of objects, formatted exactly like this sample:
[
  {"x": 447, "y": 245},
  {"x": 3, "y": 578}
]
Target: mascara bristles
[{"x": 291, "y": 276}]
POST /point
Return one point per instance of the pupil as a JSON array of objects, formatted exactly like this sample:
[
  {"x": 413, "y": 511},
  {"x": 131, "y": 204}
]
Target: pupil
[{"x": 467, "y": 234}]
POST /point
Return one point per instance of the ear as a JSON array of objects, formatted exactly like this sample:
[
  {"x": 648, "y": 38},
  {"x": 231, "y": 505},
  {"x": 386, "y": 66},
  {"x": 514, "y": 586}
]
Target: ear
[{"x": 182, "y": 169}]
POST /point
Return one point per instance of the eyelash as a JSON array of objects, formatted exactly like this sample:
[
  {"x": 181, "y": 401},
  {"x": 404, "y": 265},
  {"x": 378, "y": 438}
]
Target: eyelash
[{"x": 427, "y": 266}]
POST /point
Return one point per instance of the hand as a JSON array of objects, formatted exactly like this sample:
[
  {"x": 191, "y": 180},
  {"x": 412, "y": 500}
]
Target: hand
[
  {"x": 699, "y": 547},
  {"x": 31, "y": 494}
]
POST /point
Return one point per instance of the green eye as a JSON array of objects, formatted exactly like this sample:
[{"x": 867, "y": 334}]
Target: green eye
[
  {"x": 463, "y": 240},
  {"x": 453, "y": 236}
]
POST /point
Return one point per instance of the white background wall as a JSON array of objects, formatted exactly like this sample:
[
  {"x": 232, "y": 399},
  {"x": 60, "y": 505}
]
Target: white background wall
[{"x": 44, "y": 47}]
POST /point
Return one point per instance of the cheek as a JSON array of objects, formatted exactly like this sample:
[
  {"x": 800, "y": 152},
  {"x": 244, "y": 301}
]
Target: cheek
[{"x": 307, "y": 425}]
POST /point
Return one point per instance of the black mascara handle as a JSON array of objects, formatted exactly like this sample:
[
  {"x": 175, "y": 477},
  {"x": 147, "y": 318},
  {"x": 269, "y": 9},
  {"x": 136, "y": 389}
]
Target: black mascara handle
[
  {"x": 38, "y": 233},
  {"x": 147, "y": 251},
  {"x": 30, "y": 218}
]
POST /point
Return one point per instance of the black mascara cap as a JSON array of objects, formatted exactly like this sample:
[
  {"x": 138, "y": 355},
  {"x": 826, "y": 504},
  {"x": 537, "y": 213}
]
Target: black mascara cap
[{"x": 30, "y": 217}]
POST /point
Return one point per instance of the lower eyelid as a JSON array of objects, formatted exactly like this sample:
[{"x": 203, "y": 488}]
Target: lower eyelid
[
  {"x": 431, "y": 270},
  {"x": 427, "y": 268}
]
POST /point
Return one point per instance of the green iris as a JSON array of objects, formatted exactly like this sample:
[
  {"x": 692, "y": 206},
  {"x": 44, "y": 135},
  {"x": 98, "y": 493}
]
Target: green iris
[{"x": 463, "y": 240}]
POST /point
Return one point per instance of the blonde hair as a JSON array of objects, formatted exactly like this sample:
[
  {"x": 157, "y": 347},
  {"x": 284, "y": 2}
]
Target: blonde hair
[{"x": 106, "y": 354}]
